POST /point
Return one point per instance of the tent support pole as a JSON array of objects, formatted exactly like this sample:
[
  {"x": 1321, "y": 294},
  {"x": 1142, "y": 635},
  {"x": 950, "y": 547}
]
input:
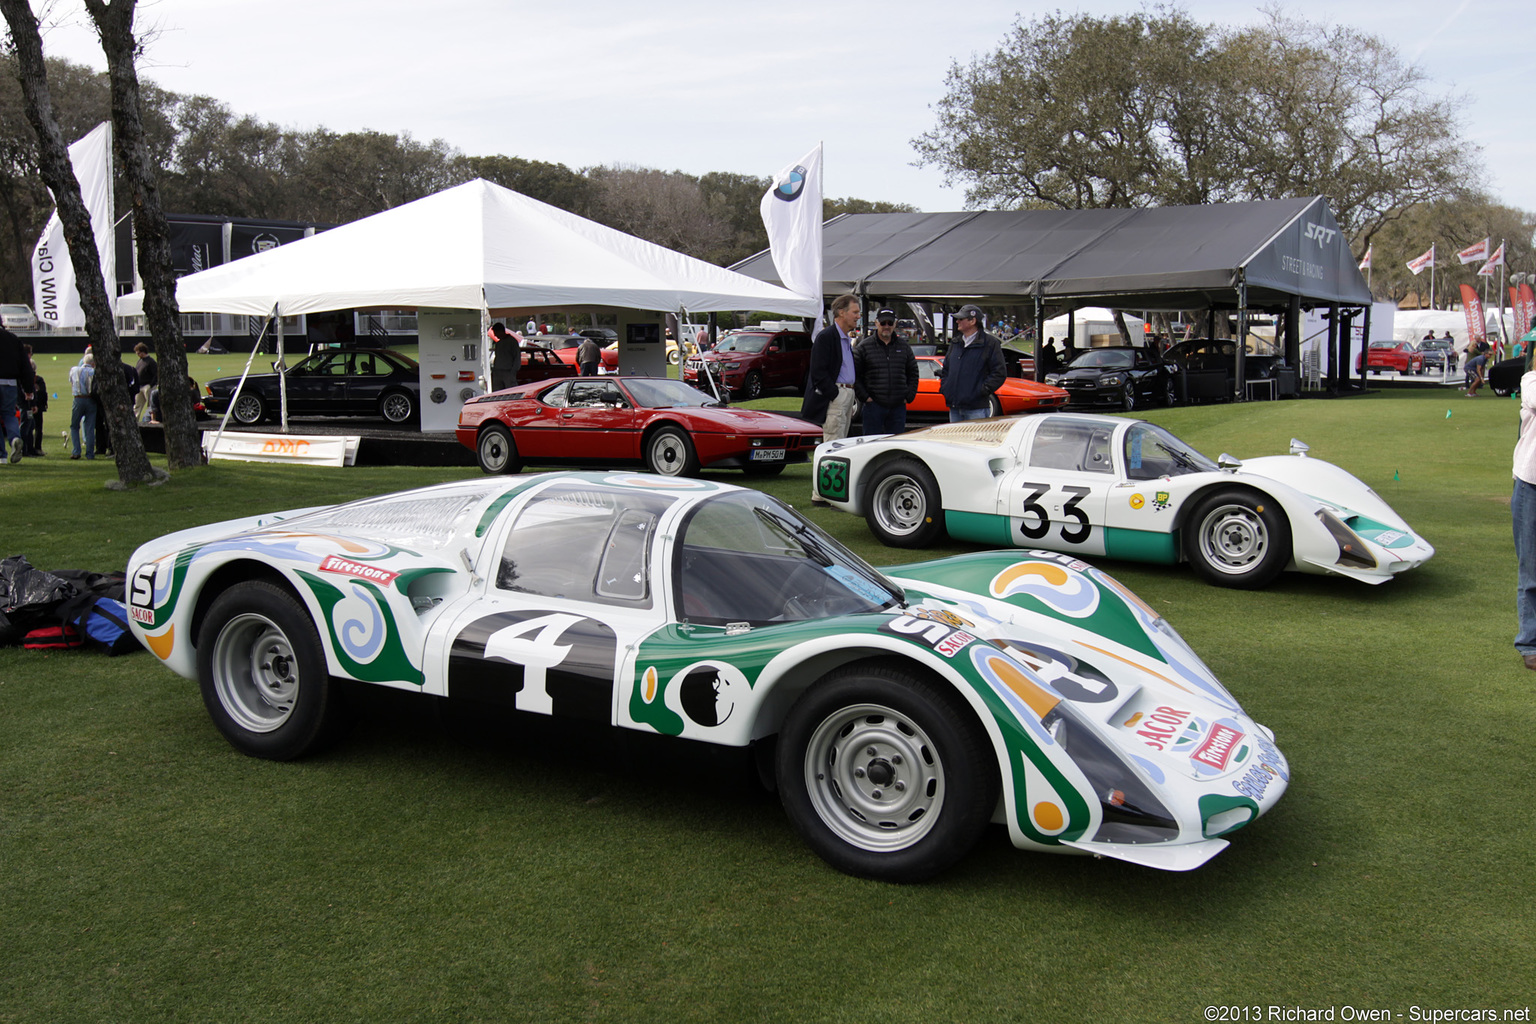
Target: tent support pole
[
  {"x": 239, "y": 385},
  {"x": 1293, "y": 333},
  {"x": 1240, "y": 379},
  {"x": 282, "y": 378},
  {"x": 1333, "y": 349},
  {"x": 1039, "y": 340}
]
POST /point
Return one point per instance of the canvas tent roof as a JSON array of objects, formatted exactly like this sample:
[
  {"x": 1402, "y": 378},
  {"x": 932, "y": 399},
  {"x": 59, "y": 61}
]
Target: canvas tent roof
[
  {"x": 477, "y": 239},
  {"x": 1172, "y": 257}
]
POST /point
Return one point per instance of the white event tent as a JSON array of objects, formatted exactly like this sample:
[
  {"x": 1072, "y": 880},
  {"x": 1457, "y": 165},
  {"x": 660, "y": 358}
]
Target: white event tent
[
  {"x": 474, "y": 246},
  {"x": 460, "y": 254}
]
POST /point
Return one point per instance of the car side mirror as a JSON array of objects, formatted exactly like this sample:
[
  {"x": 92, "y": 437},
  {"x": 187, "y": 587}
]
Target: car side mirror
[{"x": 1225, "y": 461}]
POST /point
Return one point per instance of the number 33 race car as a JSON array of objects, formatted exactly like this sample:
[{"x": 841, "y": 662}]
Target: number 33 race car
[
  {"x": 1118, "y": 488},
  {"x": 905, "y": 711}
]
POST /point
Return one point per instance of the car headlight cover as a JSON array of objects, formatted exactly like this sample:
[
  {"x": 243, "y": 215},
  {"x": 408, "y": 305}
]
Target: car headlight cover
[
  {"x": 1113, "y": 380},
  {"x": 1352, "y": 550},
  {"x": 1131, "y": 813}
]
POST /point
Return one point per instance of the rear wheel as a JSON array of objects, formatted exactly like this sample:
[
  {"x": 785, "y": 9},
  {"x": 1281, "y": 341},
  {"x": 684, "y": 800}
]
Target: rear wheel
[
  {"x": 496, "y": 452},
  {"x": 397, "y": 406},
  {"x": 249, "y": 409},
  {"x": 263, "y": 675},
  {"x": 670, "y": 453},
  {"x": 1237, "y": 538},
  {"x": 884, "y": 774},
  {"x": 905, "y": 508}
]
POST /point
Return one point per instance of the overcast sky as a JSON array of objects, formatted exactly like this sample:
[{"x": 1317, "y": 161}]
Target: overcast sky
[{"x": 713, "y": 85}]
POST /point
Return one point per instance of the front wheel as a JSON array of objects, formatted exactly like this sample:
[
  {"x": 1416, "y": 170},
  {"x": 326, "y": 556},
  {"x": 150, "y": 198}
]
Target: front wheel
[
  {"x": 752, "y": 386},
  {"x": 496, "y": 452},
  {"x": 994, "y": 406},
  {"x": 397, "y": 407},
  {"x": 670, "y": 453},
  {"x": 884, "y": 774},
  {"x": 1237, "y": 538},
  {"x": 249, "y": 409},
  {"x": 263, "y": 675},
  {"x": 905, "y": 507},
  {"x": 1128, "y": 400}
]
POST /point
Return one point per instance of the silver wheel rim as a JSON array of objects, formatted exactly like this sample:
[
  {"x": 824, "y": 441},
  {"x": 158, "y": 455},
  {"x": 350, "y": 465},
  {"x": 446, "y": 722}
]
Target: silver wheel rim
[
  {"x": 668, "y": 453},
  {"x": 255, "y": 672},
  {"x": 899, "y": 504},
  {"x": 874, "y": 778},
  {"x": 493, "y": 451},
  {"x": 1233, "y": 539},
  {"x": 248, "y": 409},
  {"x": 397, "y": 408}
]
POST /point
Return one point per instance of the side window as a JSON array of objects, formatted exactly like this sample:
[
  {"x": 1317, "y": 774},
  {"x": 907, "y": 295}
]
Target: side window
[
  {"x": 583, "y": 543},
  {"x": 1062, "y": 444},
  {"x": 558, "y": 397}
]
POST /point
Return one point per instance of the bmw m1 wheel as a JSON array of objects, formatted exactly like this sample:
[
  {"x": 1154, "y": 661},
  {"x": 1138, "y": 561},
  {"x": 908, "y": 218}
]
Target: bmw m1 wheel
[
  {"x": 905, "y": 508},
  {"x": 263, "y": 675},
  {"x": 1237, "y": 538},
  {"x": 884, "y": 775},
  {"x": 670, "y": 453},
  {"x": 496, "y": 452}
]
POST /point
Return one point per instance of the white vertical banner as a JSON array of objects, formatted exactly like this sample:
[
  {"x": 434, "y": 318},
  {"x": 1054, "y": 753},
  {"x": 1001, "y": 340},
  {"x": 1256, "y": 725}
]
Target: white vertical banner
[
  {"x": 791, "y": 211},
  {"x": 54, "y": 294}
]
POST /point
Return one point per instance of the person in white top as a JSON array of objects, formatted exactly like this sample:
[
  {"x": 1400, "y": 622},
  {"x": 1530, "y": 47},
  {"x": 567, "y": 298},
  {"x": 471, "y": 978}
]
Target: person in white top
[{"x": 1522, "y": 507}]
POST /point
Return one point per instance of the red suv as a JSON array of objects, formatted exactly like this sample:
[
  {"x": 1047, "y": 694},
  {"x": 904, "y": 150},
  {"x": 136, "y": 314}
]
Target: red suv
[{"x": 751, "y": 362}]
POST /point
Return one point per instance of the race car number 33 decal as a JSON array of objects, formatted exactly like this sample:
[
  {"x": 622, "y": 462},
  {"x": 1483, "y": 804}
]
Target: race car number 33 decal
[
  {"x": 832, "y": 479},
  {"x": 1041, "y": 524}
]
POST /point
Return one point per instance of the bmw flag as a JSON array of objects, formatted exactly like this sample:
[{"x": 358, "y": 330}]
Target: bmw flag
[{"x": 791, "y": 212}]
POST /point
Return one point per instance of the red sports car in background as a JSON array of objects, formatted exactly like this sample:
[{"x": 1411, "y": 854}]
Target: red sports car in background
[
  {"x": 1014, "y": 395},
  {"x": 655, "y": 422},
  {"x": 1400, "y": 356}
]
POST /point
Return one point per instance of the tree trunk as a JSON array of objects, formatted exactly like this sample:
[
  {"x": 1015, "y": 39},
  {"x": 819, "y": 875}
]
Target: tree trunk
[
  {"x": 114, "y": 26},
  {"x": 53, "y": 164}
]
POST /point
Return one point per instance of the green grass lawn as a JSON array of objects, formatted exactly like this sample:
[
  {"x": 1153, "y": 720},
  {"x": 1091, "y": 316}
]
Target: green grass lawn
[{"x": 150, "y": 873}]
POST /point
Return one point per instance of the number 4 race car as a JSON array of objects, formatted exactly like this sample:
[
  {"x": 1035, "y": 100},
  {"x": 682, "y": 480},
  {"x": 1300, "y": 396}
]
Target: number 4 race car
[
  {"x": 903, "y": 712},
  {"x": 1118, "y": 488}
]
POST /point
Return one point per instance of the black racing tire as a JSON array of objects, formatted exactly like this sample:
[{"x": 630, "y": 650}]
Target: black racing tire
[
  {"x": 263, "y": 675},
  {"x": 669, "y": 452},
  {"x": 496, "y": 451},
  {"x": 752, "y": 386},
  {"x": 885, "y": 774},
  {"x": 1237, "y": 538},
  {"x": 249, "y": 409},
  {"x": 906, "y": 509},
  {"x": 397, "y": 406}
]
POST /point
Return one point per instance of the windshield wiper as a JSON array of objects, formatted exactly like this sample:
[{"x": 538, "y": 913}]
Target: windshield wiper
[{"x": 811, "y": 543}]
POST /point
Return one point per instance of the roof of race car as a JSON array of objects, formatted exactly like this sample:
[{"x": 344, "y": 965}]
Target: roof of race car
[
  {"x": 989, "y": 433},
  {"x": 437, "y": 514}
]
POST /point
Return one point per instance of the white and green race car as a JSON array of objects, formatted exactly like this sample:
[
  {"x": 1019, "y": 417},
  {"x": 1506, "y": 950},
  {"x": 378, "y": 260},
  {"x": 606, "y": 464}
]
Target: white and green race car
[
  {"x": 903, "y": 711},
  {"x": 1107, "y": 486}
]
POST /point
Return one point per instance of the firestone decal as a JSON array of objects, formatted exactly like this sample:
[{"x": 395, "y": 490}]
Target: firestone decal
[{"x": 347, "y": 567}]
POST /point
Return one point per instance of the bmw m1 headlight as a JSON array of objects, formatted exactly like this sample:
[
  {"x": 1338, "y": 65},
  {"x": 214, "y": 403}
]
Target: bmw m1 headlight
[{"x": 1131, "y": 812}]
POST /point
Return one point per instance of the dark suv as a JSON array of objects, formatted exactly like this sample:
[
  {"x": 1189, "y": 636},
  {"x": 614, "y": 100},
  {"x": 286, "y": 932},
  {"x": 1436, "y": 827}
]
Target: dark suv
[{"x": 751, "y": 362}]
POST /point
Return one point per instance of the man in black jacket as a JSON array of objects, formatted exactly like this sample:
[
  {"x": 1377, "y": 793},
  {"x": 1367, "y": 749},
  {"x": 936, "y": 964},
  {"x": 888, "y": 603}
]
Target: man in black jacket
[
  {"x": 885, "y": 377},
  {"x": 973, "y": 368},
  {"x": 15, "y": 388}
]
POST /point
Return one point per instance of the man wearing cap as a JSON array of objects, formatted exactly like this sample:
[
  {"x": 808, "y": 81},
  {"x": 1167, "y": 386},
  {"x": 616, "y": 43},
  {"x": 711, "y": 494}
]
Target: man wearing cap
[
  {"x": 973, "y": 368},
  {"x": 885, "y": 377},
  {"x": 829, "y": 398}
]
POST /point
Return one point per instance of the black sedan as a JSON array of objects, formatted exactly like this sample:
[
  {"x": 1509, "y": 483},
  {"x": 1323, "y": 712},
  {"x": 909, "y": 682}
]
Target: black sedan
[
  {"x": 1116, "y": 377},
  {"x": 335, "y": 382}
]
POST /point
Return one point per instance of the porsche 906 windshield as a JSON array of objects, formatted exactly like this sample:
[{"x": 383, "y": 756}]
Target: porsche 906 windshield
[{"x": 744, "y": 557}]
